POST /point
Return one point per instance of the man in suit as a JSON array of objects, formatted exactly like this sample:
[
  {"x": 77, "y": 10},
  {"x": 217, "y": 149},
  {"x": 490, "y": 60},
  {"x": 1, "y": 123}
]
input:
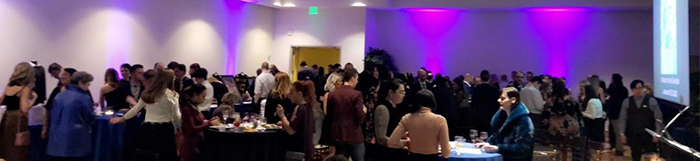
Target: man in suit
[
  {"x": 485, "y": 102},
  {"x": 467, "y": 84},
  {"x": 181, "y": 81},
  {"x": 305, "y": 73},
  {"x": 422, "y": 82},
  {"x": 346, "y": 109}
]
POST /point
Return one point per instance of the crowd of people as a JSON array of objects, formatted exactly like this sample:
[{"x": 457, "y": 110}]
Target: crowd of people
[{"x": 373, "y": 115}]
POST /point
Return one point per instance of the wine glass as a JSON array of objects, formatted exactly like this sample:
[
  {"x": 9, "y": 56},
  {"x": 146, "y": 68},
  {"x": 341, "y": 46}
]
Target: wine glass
[
  {"x": 473, "y": 134},
  {"x": 225, "y": 116},
  {"x": 484, "y": 135}
]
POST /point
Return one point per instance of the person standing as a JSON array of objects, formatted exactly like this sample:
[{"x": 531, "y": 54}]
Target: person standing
[
  {"x": 427, "y": 130},
  {"x": 348, "y": 115},
  {"x": 157, "y": 133},
  {"x": 517, "y": 81},
  {"x": 279, "y": 96},
  {"x": 18, "y": 97},
  {"x": 484, "y": 100},
  {"x": 301, "y": 124},
  {"x": 639, "y": 112},
  {"x": 386, "y": 117},
  {"x": 468, "y": 85},
  {"x": 512, "y": 129},
  {"x": 108, "y": 92},
  {"x": 264, "y": 84},
  {"x": 445, "y": 102},
  {"x": 181, "y": 81},
  {"x": 193, "y": 123},
  {"x": 72, "y": 121},
  {"x": 618, "y": 93},
  {"x": 532, "y": 98},
  {"x": 593, "y": 114},
  {"x": 200, "y": 77},
  {"x": 334, "y": 81},
  {"x": 305, "y": 73}
]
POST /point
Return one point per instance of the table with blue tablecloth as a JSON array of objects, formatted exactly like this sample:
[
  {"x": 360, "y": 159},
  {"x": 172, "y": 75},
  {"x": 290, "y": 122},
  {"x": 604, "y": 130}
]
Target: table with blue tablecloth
[
  {"x": 460, "y": 154},
  {"x": 108, "y": 140}
]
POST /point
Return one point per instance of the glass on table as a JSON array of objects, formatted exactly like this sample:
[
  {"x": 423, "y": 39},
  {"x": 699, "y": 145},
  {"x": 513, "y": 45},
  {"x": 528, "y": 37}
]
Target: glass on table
[{"x": 225, "y": 116}]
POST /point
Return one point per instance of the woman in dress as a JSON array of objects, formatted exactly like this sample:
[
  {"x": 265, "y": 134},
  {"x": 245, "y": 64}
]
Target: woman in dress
[
  {"x": 279, "y": 96},
  {"x": 334, "y": 80},
  {"x": 18, "y": 98},
  {"x": 301, "y": 124},
  {"x": 157, "y": 134},
  {"x": 193, "y": 123},
  {"x": 593, "y": 114},
  {"x": 108, "y": 92},
  {"x": 386, "y": 117}
]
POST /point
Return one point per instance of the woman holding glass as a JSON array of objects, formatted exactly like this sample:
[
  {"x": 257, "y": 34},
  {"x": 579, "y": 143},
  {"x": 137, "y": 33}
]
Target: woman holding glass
[
  {"x": 279, "y": 96},
  {"x": 513, "y": 130},
  {"x": 301, "y": 124},
  {"x": 427, "y": 130},
  {"x": 157, "y": 134}
]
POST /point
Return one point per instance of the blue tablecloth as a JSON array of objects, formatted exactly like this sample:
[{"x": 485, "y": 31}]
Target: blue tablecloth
[
  {"x": 473, "y": 157},
  {"x": 108, "y": 140}
]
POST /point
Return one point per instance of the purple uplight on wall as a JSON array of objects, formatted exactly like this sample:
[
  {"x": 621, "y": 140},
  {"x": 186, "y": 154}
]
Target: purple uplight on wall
[
  {"x": 558, "y": 29},
  {"x": 250, "y": 1},
  {"x": 432, "y": 24}
]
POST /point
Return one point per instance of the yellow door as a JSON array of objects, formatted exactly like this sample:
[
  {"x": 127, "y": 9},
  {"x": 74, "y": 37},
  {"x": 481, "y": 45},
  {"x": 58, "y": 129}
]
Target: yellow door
[{"x": 321, "y": 56}]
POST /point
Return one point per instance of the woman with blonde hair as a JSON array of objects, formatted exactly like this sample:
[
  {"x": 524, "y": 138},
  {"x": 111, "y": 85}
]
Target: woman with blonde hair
[
  {"x": 228, "y": 101},
  {"x": 18, "y": 97},
  {"x": 279, "y": 96},
  {"x": 157, "y": 134},
  {"x": 334, "y": 80}
]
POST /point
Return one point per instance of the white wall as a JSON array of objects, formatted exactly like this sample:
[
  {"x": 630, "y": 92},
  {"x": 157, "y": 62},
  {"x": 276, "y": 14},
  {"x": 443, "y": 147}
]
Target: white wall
[
  {"x": 338, "y": 27},
  {"x": 456, "y": 42},
  {"x": 93, "y": 35}
]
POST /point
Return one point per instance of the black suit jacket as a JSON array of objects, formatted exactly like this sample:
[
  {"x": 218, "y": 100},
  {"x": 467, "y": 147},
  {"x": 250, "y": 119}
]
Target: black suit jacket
[
  {"x": 186, "y": 82},
  {"x": 485, "y": 102}
]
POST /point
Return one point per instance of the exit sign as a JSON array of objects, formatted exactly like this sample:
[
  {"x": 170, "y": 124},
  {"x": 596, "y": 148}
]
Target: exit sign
[{"x": 313, "y": 10}]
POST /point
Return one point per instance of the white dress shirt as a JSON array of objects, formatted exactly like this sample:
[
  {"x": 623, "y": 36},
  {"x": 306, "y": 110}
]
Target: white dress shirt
[
  {"x": 206, "y": 105},
  {"x": 594, "y": 109},
  {"x": 166, "y": 108},
  {"x": 264, "y": 84},
  {"x": 532, "y": 98}
]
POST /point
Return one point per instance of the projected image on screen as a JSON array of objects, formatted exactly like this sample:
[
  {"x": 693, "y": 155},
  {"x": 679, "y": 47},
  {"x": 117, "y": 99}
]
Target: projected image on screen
[{"x": 669, "y": 43}]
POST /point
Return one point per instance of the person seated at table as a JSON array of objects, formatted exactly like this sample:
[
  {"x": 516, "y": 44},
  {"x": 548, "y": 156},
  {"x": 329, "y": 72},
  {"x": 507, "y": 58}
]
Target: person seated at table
[
  {"x": 193, "y": 123},
  {"x": 72, "y": 117},
  {"x": 157, "y": 137},
  {"x": 301, "y": 124},
  {"x": 228, "y": 101},
  {"x": 512, "y": 129},
  {"x": 426, "y": 129},
  {"x": 279, "y": 96},
  {"x": 387, "y": 116}
]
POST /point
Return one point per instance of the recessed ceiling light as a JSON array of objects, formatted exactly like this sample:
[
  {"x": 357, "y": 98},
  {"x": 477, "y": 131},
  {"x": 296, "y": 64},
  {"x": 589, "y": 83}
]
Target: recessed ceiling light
[
  {"x": 289, "y": 5},
  {"x": 277, "y": 4},
  {"x": 358, "y": 4}
]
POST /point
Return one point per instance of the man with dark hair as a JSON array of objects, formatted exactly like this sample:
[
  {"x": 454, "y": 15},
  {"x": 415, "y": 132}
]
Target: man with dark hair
[
  {"x": 194, "y": 68},
  {"x": 181, "y": 81},
  {"x": 125, "y": 70},
  {"x": 528, "y": 77},
  {"x": 314, "y": 68},
  {"x": 485, "y": 102},
  {"x": 200, "y": 77},
  {"x": 532, "y": 98},
  {"x": 55, "y": 70},
  {"x": 517, "y": 81},
  {"x": 172, "y": 65},
  {"x": 346, "y": 110},
  {"x": 305, "y": 73},
  {"x": 639, "y": 112},
  {"x": 349, "y": 66}
]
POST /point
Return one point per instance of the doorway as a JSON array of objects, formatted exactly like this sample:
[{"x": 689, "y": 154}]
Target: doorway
[{"x": 321, "y": 56}]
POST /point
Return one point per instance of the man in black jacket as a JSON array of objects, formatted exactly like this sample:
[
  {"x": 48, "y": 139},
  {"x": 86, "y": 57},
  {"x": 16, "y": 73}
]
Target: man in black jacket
[{"x": 484, "y": 102}]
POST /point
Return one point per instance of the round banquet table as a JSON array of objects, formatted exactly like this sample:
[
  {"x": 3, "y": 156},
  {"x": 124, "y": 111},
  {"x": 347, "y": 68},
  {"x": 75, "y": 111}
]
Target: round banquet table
[
  {"x": 108, "y": 140},
  {"x": 269, "y": 145},
  {"x": 472, "y": 157}
]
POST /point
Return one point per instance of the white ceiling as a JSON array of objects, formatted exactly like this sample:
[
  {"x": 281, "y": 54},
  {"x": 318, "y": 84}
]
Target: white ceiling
[{"x": 467, "y": 4}]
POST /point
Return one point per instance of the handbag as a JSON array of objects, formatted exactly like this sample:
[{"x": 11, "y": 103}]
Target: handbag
[{"x": 21, "y": 138}]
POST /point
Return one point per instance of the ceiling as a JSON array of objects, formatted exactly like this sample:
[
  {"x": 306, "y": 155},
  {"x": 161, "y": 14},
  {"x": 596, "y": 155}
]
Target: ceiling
[{"x": 465, "y": 4}]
